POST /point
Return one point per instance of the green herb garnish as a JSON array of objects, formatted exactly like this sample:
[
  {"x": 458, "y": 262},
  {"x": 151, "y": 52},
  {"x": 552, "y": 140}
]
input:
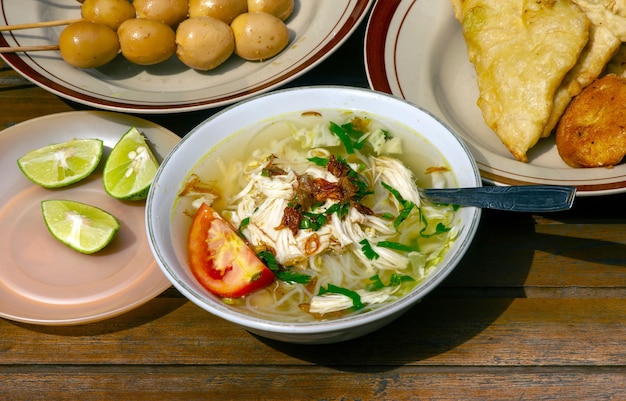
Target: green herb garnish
[
  {"x": 395, "y": 245},
  {"x": 319, "y": 161},
  {"x": 245, "y": 222},
  {"x": 439, "y": 229},
  {"x": 290, "y": 276},
  {"x": 407, "y": 206},
  {"x": 286, "y": 275},
  {"x": 343, "y": 137},
  {"x": 394, "y": 281},
  {"x": 313, "y": 221},
  {"x": 353, "y": 295},
  {"x": 387, "y": 216},
  {"x": 368, "y": 250}
]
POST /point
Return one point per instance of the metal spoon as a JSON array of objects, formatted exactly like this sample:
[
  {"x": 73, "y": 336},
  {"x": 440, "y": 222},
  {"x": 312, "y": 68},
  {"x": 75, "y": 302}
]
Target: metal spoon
[{"x": 520, "y": 198}]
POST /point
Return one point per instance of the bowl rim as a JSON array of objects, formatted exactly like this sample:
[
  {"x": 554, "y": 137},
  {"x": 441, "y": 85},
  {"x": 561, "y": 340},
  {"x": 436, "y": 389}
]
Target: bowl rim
[{"x": 323, "y": 326}]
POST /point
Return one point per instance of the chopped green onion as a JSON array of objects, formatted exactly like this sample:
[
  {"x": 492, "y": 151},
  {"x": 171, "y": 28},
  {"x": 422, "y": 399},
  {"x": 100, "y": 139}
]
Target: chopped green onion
[
  {"x": 394, "y": 281},
  {"x": 397, "y": 279},
  {"x": 341, "y": 209},
  {"x": 269, "y": 260},
  {"x": 243, "y": 225},
  {"x": 368, "y": 250},
  {"x": 404, "y": 213},
  {"x": 407, "y": 206},
  {"x": 439, "y": 229},
  {"x": 343, "y": 137},
  {"x": 395, "y": 245},
  {"x": 319, "y": 161},
  {"x": 394, "y": 192},
  {"x": 313, "y": 221},
  {"x": 288, "y": 276},
  {"x": 359, "y": 141},
  {"x": 353, "y": 295},
  {"x": 334, "y": 208}
]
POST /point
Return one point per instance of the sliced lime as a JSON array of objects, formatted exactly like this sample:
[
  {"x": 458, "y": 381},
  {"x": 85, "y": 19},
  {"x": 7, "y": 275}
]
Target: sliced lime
[
  {"x": 130, "y": 168},
  {"x": 82, "y": 227},
  {"x": 61, "y": 164}
]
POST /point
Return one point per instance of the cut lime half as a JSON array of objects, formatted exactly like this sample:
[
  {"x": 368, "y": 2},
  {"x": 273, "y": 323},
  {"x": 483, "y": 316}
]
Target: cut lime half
[
  {"x": 61, "y": 164},
  {"x": 130, "y": 168},
  {"x": 84, "y": 228}
]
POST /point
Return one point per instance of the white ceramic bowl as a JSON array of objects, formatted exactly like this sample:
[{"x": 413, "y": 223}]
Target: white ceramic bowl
[{"x": 167, "y": 238}]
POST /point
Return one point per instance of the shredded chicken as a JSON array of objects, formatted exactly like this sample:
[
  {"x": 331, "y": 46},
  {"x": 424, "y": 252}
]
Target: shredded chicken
[
  {"x": 267, "y": 197},
  {"x": 328, "y": 303}
]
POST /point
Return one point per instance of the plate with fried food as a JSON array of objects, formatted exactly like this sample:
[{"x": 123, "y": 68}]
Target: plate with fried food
[
  {"x": 458, "y": 60},
  {"x": 158, "y": 76}
]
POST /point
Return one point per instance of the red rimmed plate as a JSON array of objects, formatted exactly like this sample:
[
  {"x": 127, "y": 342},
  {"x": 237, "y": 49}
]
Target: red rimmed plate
[
  {"x": 317, "y": 29},
  {"x": 415, "y": 49}
]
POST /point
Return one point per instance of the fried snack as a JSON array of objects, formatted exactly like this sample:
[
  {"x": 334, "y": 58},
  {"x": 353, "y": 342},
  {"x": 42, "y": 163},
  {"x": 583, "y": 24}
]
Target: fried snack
[
  {"x": 610, "y": 14},
  {"x": 600, "y": 48},
  {"x": 521, "y": 51},
  {"x": 592, "y": 131},
  {"x": 617, "y": 64}
]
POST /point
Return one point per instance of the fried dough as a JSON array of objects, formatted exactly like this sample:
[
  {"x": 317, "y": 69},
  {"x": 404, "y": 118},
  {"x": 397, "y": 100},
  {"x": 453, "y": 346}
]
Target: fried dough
[
  {"x": 521, "y": 51},
  {"x": 600, "y": 48},
  {"x": 617, "y": 64},
  {"x": 592, "y": 131},
  {"x": 610, "y": 14}
]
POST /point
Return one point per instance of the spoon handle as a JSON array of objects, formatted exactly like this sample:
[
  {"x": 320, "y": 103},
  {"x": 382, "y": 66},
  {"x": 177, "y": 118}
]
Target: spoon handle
[{"x": 520, "y": 198}]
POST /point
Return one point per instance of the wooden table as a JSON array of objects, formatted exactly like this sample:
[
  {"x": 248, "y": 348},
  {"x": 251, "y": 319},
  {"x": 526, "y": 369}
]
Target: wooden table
[{"x": 536, "y": 310}]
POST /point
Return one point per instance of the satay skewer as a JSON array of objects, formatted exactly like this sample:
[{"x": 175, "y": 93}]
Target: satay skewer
[
  {"x": 43, "y": 24},
  {"x": 30, "y": 25},
  {"x": 18, "y": 49}
]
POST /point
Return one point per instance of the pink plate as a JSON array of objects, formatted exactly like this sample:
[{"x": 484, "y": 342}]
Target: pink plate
[{"x": 43, "y": 281}]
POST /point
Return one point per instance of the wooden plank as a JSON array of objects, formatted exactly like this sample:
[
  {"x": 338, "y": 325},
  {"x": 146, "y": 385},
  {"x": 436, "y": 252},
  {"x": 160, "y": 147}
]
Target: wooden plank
[
  {"x": 310, "y": 383},
  {"x": 437, "y": 332},
  {"x": 521, "y": 256},
  {"x": 24, "y": 99}
]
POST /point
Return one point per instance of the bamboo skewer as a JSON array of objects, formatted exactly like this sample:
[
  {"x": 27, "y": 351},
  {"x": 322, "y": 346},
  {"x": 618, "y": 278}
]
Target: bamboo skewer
[
  {"x": 44, "y": 24},
  {"x": 17, "y": 49},
  {"x": 30, "y": 25}
]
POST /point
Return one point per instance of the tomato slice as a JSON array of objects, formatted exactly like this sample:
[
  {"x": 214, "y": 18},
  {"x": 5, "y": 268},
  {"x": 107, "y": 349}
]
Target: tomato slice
[{"x": 221, "y": 260}]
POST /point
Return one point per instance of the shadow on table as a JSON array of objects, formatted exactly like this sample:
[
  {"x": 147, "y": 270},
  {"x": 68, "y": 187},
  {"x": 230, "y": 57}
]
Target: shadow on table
[
  {"x": 489, "y": 278},
  {"x": 137, "y": 317}
]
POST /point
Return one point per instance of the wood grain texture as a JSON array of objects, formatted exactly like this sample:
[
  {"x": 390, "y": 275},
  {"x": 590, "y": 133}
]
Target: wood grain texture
[
  {"x": 536, "y": 310},
  {"x": 312, "y": 383}
]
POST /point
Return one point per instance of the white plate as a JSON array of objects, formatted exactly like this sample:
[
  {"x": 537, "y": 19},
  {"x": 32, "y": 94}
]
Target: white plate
[
  {"x": 317, "y": 28},
  {"x": 45, "y": 282},
  {"x": 414, "y": 49}
]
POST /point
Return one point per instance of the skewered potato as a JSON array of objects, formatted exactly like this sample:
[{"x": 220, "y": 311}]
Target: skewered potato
[
  {"x": 203, "y": 43},
  {"x": 146, "y": 41},
  {"x": 259, "y": 36},
  {"x": 281, "y": 9},
  {"x": 170, "y": 12},
  {"x": 108, "y": 12},
  {"x": 202, "y": 33},
  {"x": 224, "y": 10},
  {"x": 86, "y": 44}
]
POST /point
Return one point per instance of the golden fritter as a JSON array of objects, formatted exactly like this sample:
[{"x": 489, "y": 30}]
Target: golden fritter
[
  {"x": 592, "y": 131},
  {"x": 521, "y": 51},
  {"x": 610, "y": 14},
  {"x": 602, "y": 45}
]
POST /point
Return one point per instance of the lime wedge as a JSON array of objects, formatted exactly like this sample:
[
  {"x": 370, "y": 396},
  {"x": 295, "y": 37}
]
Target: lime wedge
[
  {"x": 61, "y": 164},
  {"x": 82, "y": 227},
  {"x": 130, "y": 168}
]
